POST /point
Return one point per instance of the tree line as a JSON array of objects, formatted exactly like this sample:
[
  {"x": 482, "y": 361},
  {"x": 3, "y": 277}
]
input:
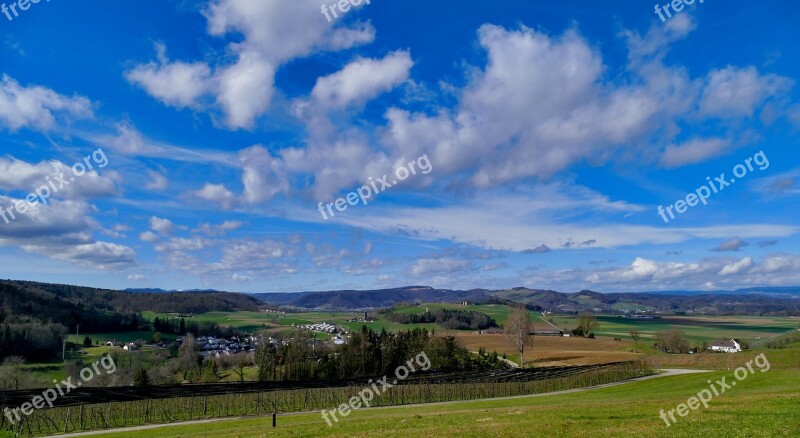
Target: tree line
[
  {"x": 449, "y": 319},
  {"x": 179, "y": 326}
]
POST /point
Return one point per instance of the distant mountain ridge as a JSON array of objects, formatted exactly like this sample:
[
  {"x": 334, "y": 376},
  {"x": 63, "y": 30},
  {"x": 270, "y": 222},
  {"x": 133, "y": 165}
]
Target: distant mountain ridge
[
  {"x": 356, "y": 299},
  {"x": 164, "y": 291},
  {"x": 757, "y": 300},
  {"x": 135, "y": 302}
]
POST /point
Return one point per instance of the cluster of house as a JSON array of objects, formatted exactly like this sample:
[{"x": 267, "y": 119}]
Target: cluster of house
[
  {"x": 210, "y": 346},
  {"x": 323, "y": 327},
  {"x": 213, "y": 346}
]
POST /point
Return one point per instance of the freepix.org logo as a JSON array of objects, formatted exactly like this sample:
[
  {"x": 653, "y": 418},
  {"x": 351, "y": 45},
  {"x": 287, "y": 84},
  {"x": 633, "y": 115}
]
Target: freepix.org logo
[
  {"x": 52, "y": 185},
  {"x": 65, "y": 387},
  {"x": 368, "y": 191},
  {"x": 715, "y": 186},
  {"x": 342, "y": 6},
  {"x": 11, "y": 8},
  {"x": 366, "y": 395}
]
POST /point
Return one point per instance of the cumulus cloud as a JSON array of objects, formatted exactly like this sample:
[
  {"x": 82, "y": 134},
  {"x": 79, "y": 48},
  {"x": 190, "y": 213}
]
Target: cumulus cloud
[
  {"x": 736, "y": 267},
  {"x": 61, "y": 231},
  {"x": 149, "y": 236},
  {"x": 218, "y": 229},
  {"x": 272, "y": 33},
  {"x": 181, "y": 244},
  {"x": 177, "y": 84},
  {"x": 217, "y": 193},
  {"x": 361, "y": 80},
  {"x": 508, "y": 127},
  {"x": 96, "y": 255},
  {"x": 645, "y": 274},
  {"x": 738, "y": 92},
  {"x": 37, "y": 107},
  {"x": 17, "y": 175},
  {"x": 161, "y": 226},
  {"x": 263, "y": 176}
]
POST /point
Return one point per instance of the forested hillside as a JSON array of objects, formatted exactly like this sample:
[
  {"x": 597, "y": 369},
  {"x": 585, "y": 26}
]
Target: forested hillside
[
  {"x": 35, "y": 316},
  {"x": 130, "y": 302}
]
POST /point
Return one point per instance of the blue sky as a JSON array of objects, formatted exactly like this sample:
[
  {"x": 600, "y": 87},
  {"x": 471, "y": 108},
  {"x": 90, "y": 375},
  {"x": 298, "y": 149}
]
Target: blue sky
[{"x": 554, "y": 131}]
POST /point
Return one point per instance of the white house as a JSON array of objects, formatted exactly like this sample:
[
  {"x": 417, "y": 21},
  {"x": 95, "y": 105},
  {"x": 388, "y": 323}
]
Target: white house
[{"x": 732, "y": 346}]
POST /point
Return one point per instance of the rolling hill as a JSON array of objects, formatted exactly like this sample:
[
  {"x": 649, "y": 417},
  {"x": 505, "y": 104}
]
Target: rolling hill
[{"x": 755, "y": 301}]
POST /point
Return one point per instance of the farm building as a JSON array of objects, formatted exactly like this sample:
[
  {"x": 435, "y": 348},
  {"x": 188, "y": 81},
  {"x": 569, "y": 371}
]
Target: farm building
[{"x": 732, "y": 346}]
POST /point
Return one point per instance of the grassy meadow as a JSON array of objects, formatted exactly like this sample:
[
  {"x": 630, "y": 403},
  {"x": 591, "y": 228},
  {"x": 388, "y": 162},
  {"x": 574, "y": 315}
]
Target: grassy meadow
[{"x": 763, "y": 405}]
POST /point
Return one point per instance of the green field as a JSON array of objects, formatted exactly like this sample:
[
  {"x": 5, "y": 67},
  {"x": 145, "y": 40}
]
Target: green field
[
  {"x": 763, "y": 405},
  {"x": 254, "y": 321},
  {"x": 696, "y": 328},
  {"x": 102, "y": 338}
]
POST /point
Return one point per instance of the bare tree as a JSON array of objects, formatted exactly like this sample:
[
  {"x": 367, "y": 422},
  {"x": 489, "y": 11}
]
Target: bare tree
[
  {"x": 635, "y": 335},
  {"x": 517, "y": 331},
  {"x": 673, "y": 341},
  {"x": 266, "y": 359},
  {"x": 238, "y": 363},
  {"x": 587, "y": 323},
  {"x": 13, "y": 375}
]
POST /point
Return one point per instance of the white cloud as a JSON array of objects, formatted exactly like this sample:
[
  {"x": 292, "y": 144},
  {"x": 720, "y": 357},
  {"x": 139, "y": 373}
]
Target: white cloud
[
  {"x": 97, "y": 255},
  {"x": 527, "y": 220},
  {"x": 219, "y": 230},
  {"x": 264, "y": 176},
  {"x": 509, "y": 127},
  {"x": 272, "y": 33},
  {"x": 693, "y": 151},
  {"x": 158, "y": 182},
  {"x": 26, "y": 177},
  {"x": 37, "y": 107},
  {"x": 245, "y": 89},
  {"x": 148, "y": 236},
  {"x": 439, "y": 266},
  {"x": 129, "y": 141},
  {"x": 62, "y": 231},
  {"x": 182, "y": 244},
  {"x": 177, "y": 84},
  {"x": 736, "y": 267},
  {"x": 733, "y": 92},
  {"x": 362, "y": 80},
  {"x": 161, "y": 226},
  {"x": 217, "y": 193}
]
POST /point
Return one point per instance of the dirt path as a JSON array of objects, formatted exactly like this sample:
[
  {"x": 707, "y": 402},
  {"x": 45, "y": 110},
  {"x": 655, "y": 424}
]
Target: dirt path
[{"x": 666, "y": 372}]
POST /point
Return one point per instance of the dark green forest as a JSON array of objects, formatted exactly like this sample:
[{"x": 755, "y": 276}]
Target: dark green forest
[{"x": 449, "y": 319}]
